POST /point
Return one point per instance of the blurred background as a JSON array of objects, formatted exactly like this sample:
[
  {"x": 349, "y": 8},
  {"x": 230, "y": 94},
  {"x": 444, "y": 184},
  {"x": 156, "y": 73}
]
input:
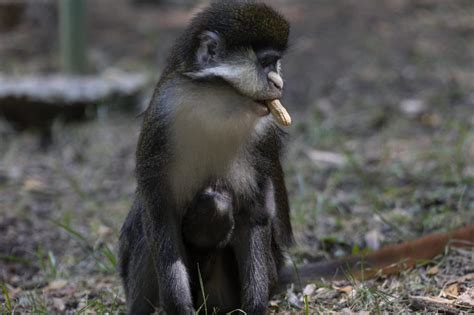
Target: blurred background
[{"x": 381, "y": 149}]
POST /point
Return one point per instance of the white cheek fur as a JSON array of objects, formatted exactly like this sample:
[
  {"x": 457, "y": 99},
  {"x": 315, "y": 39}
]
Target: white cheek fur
[
  {"x": 240, "y": 71},
  {"x": 243, "y": 77}
]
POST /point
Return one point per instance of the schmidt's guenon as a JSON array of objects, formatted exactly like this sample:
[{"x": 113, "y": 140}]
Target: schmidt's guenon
[{"x": 211, "y": 190}]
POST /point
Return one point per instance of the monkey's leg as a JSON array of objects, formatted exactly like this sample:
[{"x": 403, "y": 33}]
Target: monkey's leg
[
  {"x": 209, "y": 221},
  {"x": 136, "y": 266},
  {"x": 219, "y": 273},
  {"x": 253, "y": 251},
  {"x": 162, "y": 228},
  {"x": 257, "y": 268}
]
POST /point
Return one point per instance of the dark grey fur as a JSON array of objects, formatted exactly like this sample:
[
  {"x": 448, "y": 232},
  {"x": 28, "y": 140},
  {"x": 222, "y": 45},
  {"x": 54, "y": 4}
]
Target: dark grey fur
[{"x": 235, "y": 238}]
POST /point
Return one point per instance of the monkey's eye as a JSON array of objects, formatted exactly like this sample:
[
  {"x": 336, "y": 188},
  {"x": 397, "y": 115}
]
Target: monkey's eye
[{"x": 268, "y": 61}]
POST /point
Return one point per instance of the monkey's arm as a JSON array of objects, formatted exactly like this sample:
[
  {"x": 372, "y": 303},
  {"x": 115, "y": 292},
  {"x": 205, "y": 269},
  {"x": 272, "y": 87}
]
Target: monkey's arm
[
  {"x": 270, "y": 150},
  {"x": 282, "y": 231},
  {"x": 388, "y": 260},
  {"x": 161, "y": 220}
]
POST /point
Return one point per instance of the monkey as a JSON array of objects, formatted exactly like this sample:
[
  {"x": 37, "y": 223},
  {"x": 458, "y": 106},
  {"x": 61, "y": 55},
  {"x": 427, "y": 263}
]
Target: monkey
[
  {"x": 211, "y": 200},
  {"x": 211, "y": 203}
]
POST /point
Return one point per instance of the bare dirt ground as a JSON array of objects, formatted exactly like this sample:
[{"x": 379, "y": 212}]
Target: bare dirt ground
[{"x": 382, "y": 150}]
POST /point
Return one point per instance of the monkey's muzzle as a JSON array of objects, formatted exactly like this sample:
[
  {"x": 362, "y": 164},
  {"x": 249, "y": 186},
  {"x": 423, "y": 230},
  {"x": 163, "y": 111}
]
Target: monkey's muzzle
[{"x": 279, "y": 112}]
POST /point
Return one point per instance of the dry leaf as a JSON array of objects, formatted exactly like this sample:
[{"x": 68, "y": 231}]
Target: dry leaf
[
  {"x": 325, "y": 157},
  {"x": 309, "y": 289},
  {"x": 33, "y": 185},
  {"x": 348, "y": 311},
  {"x": 347, "y": 289},
  {"x": 59, "y": 304},
  {"x": 467, "y": 298},
  {"x": 104, "y": 230},
  {"x": 468, "y": 277},
  {"x": 433, "y": 271},
  {"x": 326, "y": 293},
  {"x": 293, "y": 300},
  {"x": 37, "y": 188},
  {"x": 451, "y": 291},
  {"x": 433, "y": 299},
  {"x": 275, "y": 302},
  {"x": 413, "y": 107},
  {"x": 56, "y": 285},
  {"x": 432, "y": 120},
  {"x": 433, "y": 304}
]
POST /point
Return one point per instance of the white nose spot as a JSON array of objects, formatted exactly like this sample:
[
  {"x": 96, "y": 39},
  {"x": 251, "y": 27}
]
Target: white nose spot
[{"x": 276, "y": 79}]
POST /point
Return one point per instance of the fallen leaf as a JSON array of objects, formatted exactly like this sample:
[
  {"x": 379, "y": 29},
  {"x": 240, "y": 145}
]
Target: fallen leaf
[
  {"x": 433, "y": 304},
  {"x": 467, "y": 298},
  {"x": 348, "y": 311},
  {"x": 275, "y": 302},
  {"x": 293, "y": 300},
  {"x": 326, "y": 293},
  {"x": 451, "y": 291},
  {"x": 104, "y": 230},
  {"x": 33, "y": 185},
  {"x": 56, "y": 285},
  {"x": 59, "y": 304},
  {"x": 413, "y": 107},
  {"x": 325, "y": 157},
  {"x": 37, "y": 188},
  {"x": 433, "y": 271},
  {"x": 347, "y": 289},
  {"x": 309, "y": 289},
  {"x": 468, "y": 277},
  {"x": 432, "y": 120},
  {"x": 433, "y": 299}
]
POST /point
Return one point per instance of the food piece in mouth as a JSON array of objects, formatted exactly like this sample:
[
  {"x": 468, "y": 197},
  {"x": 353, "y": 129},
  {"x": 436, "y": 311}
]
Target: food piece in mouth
[{"x": 279, "y": 112}]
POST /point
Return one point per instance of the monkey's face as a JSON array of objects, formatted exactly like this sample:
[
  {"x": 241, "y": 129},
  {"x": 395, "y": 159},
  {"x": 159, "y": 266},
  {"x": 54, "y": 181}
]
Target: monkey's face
[{"x": 253, "y": 73}]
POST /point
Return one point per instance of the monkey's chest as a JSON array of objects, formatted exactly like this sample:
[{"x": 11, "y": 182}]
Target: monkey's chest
[{"x": 202, "y": 156}]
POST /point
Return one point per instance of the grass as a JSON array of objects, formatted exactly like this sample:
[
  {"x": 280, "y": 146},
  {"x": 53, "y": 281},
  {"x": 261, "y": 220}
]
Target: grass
[
  {"x": 394, "y": 194},
  {"x": 203, "y": 292},
  {"x": 36, "y": 303},
  {"x": 368, "y": 297},
  {"x": 7, "y": 305},
  {"x": 99, "y": 306},
  {"x": 102, "y": 254},
  {"x": 306, "y": 305},
  {"x": 48, "y": 263}
]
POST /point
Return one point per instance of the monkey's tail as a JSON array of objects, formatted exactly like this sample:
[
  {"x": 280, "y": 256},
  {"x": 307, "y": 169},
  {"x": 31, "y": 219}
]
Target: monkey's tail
[{"x": 388, "y": 260}]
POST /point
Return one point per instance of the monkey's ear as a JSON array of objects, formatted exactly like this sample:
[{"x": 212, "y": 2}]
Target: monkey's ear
[{"x": 209, "y": 48}]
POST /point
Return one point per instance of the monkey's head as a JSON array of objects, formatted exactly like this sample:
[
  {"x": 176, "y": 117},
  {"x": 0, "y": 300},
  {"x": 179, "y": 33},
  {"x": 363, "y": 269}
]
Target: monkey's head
[{"x": 238, "y": 42}]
